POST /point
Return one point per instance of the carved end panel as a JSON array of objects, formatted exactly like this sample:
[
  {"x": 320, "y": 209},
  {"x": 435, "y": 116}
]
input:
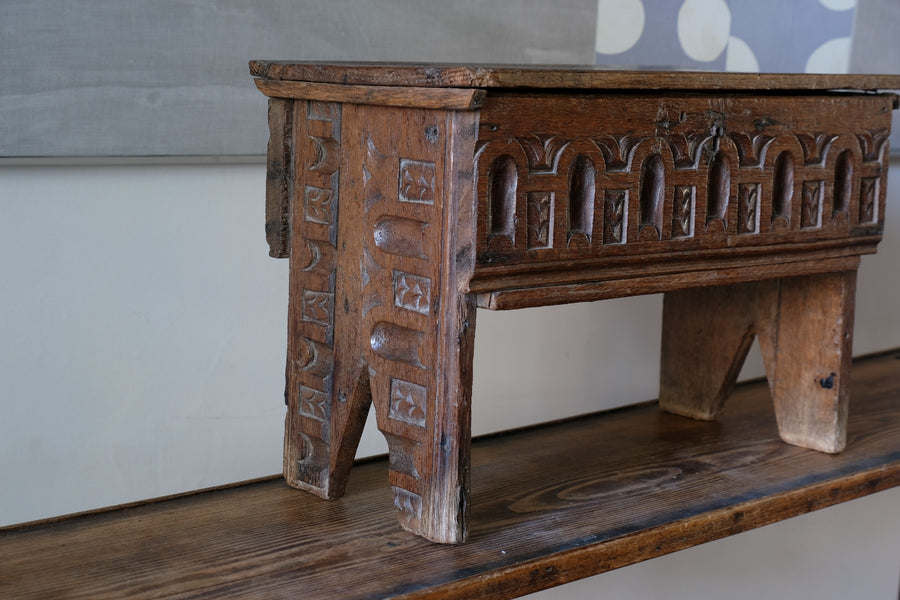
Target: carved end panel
[
  {"x": 581, "y": 197},
  {"x": 503, "y": 177},
  {"x": 718, "y": 191},
  {"x": 782, "y": 190},
  {"x": 843, "y": 184},
  {"x": 311, "y": 314},
  {"x": 652, "y": 193},
  {"x": 540, "y": 220},
  {"x": 615, "y": 217}
]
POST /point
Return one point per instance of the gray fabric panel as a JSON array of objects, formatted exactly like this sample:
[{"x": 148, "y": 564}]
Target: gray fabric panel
[
  {"x": 169, "y": 77},
  {"x": 876, "y": 46}
]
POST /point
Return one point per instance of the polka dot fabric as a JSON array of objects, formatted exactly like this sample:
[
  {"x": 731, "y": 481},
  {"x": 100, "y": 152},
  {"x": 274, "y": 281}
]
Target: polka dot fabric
[{"x": 774, "y": 36}]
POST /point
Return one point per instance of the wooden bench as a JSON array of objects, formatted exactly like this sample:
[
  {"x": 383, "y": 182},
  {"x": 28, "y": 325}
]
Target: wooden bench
[{"x": 408, "y": 196}]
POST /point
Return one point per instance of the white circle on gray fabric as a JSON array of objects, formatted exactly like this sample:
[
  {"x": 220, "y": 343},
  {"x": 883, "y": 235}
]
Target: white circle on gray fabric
[
  {"x": 620, "y": 24},
  {"x": 704, "y": 27}
]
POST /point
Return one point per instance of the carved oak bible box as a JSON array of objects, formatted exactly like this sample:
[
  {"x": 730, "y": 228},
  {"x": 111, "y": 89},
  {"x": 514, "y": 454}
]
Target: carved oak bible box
[{"x": 408, "y": 196}]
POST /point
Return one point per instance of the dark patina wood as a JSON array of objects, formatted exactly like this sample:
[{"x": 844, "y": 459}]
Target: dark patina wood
[
  {"x": 408, "y": 195},
  {"x": 550, "y": 504}
]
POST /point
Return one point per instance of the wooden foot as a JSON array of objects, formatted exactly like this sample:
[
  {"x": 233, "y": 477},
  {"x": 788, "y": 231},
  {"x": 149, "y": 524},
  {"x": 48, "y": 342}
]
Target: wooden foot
[
  {"x": 707, "y": 333},
  {"x": 807, "y": 344},
  {"x": 379, "y": 250},
  {"x": 805, "y": 331}
]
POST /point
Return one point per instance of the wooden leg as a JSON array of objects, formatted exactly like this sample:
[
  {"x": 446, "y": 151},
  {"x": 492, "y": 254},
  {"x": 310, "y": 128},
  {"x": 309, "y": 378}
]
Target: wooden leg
[
  {"x": 807, "y": 345},
  {"x": 375, "y": 313},
  {"x": 707, "y": 333},
  {"x": 327, "y": 382},
  {"x": 805, "y": 328},
  {"x": 423, "y": 409}
]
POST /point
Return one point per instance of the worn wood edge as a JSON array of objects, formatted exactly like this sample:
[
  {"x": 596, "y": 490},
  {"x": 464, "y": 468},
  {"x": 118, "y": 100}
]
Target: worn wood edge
[
  {"x": 550, "y": 76},
  {"x": 600, "y": 557},
  {"x": 656, "y": 283},
  {"x": 489, "y": 277},
  {"x": 408, "y": 97}
]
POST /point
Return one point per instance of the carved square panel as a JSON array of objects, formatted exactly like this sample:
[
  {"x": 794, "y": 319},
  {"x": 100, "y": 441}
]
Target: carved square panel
[
  {"x": 412, "y": 292},
  {"x": 416, "y": 181},
  {"x": 314, "y": 404},
  {"x": 317, "y": 307},
  {"x": 683, "y": 211},
  {"x": 811, "y": 206},
  {"x": 748, "y": 208},
  {"x": 868, "y": 200},
  {"x": 318, "y": 205},
  {"x": 408, "y": 402},
  {"x": 615, "y": 217},
  {"x": 540, "y": 220}
]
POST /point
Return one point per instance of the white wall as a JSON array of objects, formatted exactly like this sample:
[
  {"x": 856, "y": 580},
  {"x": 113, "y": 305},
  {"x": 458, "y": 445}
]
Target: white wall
[{"x": 142, "y": 354}]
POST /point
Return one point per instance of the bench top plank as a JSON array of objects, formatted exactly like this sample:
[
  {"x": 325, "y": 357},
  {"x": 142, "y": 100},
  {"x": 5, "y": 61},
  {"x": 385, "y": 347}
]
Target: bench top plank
[{"x": 568, "y": 77}]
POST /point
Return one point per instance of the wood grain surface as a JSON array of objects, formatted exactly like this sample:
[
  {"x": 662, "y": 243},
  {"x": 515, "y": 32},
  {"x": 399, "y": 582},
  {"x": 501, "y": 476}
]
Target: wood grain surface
[
  {"x": 555, "y": 76},
  {"x": 550, "y": 505}
]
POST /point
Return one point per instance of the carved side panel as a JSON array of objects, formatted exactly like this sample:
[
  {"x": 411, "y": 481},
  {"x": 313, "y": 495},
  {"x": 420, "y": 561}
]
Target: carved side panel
[
  {"x": 311, "y": 319},
  {"x": 583, "y": 178}
]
